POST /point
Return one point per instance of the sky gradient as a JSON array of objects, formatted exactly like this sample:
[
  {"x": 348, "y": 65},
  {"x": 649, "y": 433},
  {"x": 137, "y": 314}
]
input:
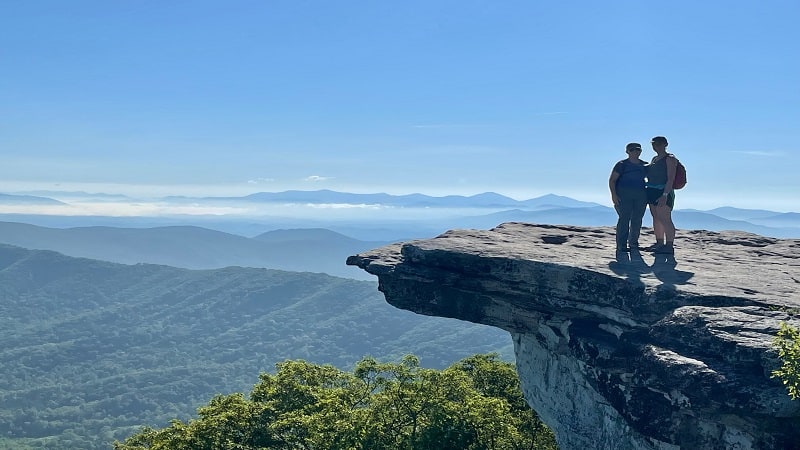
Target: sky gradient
[{"x": 439, "y": 97}]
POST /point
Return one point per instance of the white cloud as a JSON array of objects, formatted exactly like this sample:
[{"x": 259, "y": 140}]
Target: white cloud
[
  {"x": 759, "y": 153},
  {"x": 260, "y": 180},
  {"x": 316, "y": 178}
]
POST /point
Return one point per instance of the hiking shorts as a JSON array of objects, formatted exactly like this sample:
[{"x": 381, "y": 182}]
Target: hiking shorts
[{"x": 653, "y": 194}]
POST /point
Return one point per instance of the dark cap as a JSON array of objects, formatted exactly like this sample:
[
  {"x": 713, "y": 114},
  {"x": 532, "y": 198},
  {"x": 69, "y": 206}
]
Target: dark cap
[
  {"x": 659, "y": 140},
  {"x": 633, "y": 146}
]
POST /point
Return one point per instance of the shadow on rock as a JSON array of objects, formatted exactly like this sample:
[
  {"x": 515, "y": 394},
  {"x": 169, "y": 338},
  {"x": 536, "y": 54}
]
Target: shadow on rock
[
  {"x": 663, "y": 268},
  {"x": 630, "y": 265}
]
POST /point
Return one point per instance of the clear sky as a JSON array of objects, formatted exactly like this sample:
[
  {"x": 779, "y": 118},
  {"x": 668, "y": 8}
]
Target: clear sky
[{"x": 522, "y": 98}]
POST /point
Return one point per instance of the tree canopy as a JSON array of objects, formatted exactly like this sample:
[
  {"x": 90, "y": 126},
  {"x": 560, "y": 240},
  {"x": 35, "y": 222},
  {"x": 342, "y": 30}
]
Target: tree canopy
[
  {"x": 787, "y": 343},
  {"x": 475, "y": 403}
]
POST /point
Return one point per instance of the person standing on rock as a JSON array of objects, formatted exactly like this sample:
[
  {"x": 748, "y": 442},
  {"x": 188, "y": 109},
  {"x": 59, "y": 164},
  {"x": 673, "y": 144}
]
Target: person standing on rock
[
  {"x": 628, "y": 194},
  {"x": 661, "y": 196}
]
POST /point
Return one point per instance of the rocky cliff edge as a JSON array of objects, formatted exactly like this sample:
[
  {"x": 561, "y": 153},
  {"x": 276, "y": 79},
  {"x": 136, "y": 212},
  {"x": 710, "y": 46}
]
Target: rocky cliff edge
[{"x": 637, "y": 352}]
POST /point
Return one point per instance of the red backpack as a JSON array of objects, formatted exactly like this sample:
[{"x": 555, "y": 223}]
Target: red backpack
[{"x": 680, "y": 175}]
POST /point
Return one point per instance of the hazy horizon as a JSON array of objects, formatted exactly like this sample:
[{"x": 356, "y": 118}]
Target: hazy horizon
[{"x": 79, "y": 203}]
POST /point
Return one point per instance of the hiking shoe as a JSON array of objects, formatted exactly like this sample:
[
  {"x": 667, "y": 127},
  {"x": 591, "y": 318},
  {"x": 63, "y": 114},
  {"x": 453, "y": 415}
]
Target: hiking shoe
[{"x": 665, "y": 250}]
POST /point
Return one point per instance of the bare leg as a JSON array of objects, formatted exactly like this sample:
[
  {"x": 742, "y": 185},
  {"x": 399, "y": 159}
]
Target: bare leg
[
  {"x": 669, "y": 226},
  {"x": 662, "y": 215},
  {"x": 658, "y": 227}
]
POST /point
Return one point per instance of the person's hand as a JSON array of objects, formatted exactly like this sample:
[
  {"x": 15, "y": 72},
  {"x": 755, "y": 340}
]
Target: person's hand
[{"x": 614, "y": 199}]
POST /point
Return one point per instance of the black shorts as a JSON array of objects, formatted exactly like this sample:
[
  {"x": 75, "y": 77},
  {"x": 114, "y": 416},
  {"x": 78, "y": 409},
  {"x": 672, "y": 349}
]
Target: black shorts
[{"x": 653, "y": 194}]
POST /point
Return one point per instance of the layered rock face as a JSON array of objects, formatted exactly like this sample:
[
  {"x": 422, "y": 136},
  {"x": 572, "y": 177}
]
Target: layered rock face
[{"x": 642, "y": 352}]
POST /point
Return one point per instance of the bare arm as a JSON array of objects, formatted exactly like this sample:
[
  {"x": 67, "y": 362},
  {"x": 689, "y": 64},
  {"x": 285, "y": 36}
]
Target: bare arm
[
  {"x": 612, "y": 186},
  {"x": 672, "y": 167}
]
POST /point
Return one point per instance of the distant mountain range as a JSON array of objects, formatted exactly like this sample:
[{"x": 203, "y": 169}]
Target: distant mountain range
[
  {"x": 551, "y": 209},
  {"x": 302, "y": 250},
  {"x": 484, "y": 200},
  {"x": 324, "y": 196},
  {"x": 8, "y": 199},
  {"x": 90, "y": 350},
  {"x": 317, "y": 249},
  {"x": 78, "y": 195}
]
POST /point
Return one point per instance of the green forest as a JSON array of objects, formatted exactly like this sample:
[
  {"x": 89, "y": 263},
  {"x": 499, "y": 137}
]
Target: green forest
[{"x": 91, "y": 351}]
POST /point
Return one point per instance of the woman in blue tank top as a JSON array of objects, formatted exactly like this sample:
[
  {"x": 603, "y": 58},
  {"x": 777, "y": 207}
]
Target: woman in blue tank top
[{"x": 629, "y": 197}]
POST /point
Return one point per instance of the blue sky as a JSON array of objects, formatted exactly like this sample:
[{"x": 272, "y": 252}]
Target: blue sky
[{"x": 522, "y": 98}]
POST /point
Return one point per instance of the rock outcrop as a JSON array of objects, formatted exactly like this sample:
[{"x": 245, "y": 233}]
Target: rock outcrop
[{"x": 639, "y": 353}]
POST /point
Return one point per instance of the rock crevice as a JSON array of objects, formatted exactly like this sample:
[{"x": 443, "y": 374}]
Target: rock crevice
[{"x": 636, "y": 353}]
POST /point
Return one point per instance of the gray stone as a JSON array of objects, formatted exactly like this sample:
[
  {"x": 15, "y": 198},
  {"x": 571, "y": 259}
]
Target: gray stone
[{"x": 639, "y": 352}]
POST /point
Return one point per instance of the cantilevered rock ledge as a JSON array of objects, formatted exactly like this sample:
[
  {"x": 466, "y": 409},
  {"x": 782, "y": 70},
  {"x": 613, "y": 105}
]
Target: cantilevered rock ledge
[{"x": 642, "y": 352}]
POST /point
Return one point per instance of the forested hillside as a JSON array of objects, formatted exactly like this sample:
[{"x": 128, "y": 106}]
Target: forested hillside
[{"x": 90, "y": 350}]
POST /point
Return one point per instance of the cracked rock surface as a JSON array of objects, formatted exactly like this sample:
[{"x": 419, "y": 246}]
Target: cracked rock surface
[{"x": 632, "y": 352}]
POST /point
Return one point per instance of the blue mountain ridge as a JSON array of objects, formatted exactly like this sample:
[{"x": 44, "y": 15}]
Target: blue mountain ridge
[
  {"x": 28, "y": 200},
  {"x": 324, "y": 196},
  {"x": 550, "y": 208}
]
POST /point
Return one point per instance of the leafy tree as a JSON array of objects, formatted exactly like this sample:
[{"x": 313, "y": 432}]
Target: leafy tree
[
  {"x": 788, "y": 344},
  {"x": 473, "y": 404}
]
